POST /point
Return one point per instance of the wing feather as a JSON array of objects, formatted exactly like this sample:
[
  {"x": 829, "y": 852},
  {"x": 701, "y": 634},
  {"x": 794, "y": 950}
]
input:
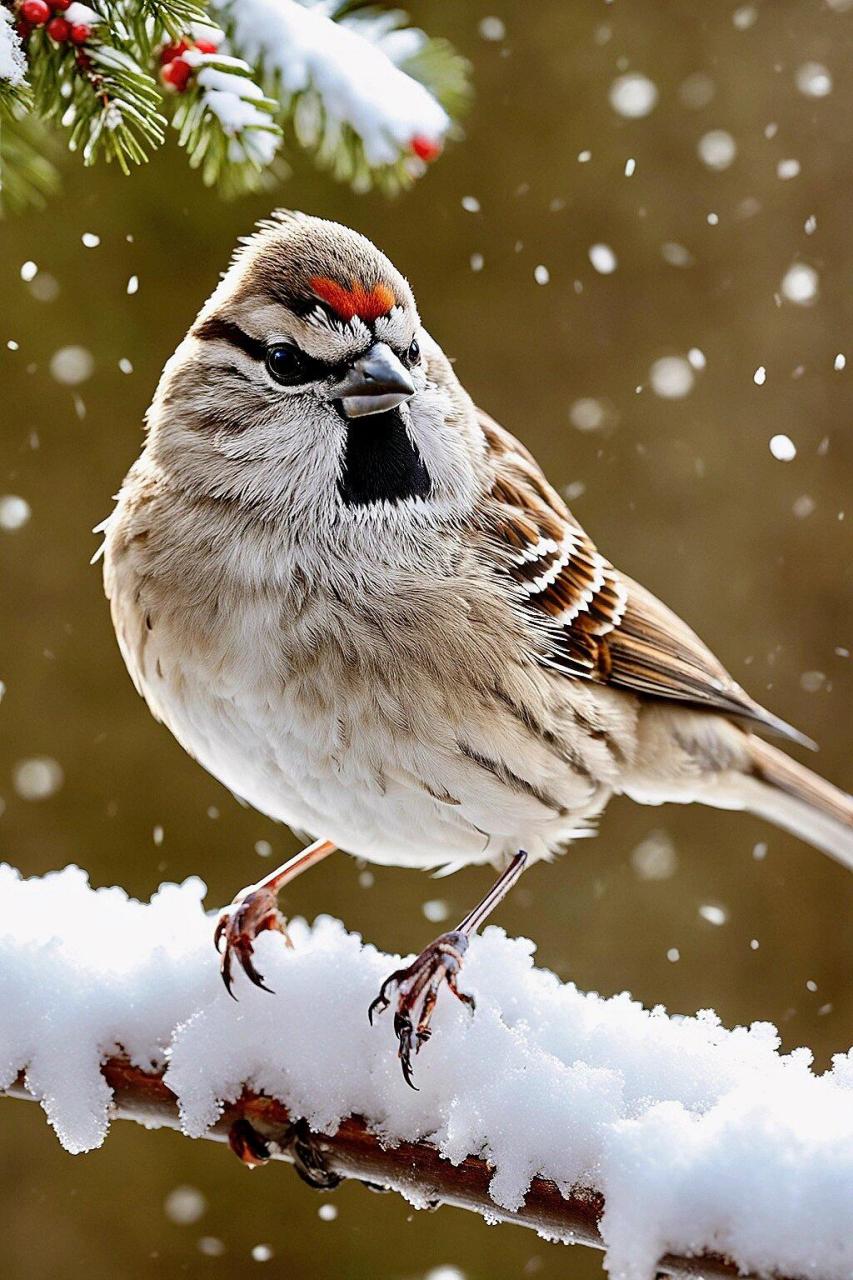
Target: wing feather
[{"x": 593, "y": 622}]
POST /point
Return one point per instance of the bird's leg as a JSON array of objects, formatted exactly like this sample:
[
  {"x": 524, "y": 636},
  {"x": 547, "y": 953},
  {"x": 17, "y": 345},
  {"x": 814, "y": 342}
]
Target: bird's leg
[
  {"x": 255, "y": 909},
  {"x": 419, "y": 984}
]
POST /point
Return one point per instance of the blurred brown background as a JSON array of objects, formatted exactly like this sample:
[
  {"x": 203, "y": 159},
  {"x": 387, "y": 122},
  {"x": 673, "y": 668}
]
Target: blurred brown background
[{"x": 683, "y": 493}]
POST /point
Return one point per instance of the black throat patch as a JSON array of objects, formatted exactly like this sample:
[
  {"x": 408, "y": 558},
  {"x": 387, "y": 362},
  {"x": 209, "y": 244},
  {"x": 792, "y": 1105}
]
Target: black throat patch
[{"x": 380, "y": 462}]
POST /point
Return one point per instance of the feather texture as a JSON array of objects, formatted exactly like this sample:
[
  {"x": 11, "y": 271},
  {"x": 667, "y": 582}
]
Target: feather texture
[{"x": 594, "y": 622}]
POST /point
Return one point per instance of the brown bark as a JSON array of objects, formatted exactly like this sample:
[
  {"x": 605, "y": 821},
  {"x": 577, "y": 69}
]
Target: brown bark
[{"x": 414, "y": 1168}]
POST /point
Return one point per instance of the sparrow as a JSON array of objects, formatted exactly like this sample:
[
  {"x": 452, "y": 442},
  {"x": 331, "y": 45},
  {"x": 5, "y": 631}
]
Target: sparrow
[{"x": 355, "y": 599}]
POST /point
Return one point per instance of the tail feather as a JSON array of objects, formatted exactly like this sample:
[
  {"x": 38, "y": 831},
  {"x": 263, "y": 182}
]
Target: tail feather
[{"x": 791, "y": 796}]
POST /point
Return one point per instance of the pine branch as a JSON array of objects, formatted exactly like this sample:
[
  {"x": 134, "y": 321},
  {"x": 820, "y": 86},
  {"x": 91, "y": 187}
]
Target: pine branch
[
  {"x": 370, "y": 107},
  {"x": 28, "y": 177},
  {"x": 371, "y": 98},
  {"x": 99, "y": 92},
  {"x": 226, "y": 124}
]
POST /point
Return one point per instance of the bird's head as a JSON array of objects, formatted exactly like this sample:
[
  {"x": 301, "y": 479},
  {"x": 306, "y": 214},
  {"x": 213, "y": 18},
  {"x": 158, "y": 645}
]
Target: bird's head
[{"x": 308, "y": 389}]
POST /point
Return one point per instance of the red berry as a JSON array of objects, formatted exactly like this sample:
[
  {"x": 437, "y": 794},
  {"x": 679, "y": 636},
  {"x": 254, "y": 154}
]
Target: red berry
[
  {"x": 176, "y": 74},
  {"x": 425, "y": 148},
  {"x": 170, "y": 51},
  {"x": 206, "y": 46},
  {"x": 80, "y": 33},
  {"x": 36, "y": 12},
  {"x": 82, "y": 59},
  {"x": 59, "y": 30},
  {"x": 23, "y": 29},
  {"x": 59, "y": 6}
]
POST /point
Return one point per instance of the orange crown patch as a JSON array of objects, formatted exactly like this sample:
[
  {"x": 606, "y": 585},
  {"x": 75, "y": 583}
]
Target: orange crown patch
[{"x": 355, "y": 301}]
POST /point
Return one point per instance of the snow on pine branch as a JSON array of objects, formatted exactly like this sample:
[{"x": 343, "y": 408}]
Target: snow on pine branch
[
  {"x": 13, "y": 62},
  {"x": 700, "y": 1138},
  {"x": 341, "y": 74}
]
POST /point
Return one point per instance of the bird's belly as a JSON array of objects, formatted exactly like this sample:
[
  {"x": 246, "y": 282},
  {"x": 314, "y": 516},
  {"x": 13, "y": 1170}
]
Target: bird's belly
[{"x": 359, "y": 787}]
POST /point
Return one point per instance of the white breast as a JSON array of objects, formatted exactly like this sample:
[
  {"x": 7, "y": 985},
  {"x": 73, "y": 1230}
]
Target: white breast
[{"x": 345, "y": 760}]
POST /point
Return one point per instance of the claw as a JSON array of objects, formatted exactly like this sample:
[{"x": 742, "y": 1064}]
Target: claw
[
  {"x": 381, "y": 1003},
  {"x": 250, "y": 914},
  {"x": 418, "y": 985},
  {"x": 246, "y": 1143}
]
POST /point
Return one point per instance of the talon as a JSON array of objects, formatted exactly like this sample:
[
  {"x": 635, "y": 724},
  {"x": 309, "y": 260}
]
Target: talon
[
  {"x": 246, "y": 1143},
  {"x": 377, "y": 1006},
  {"x": 308, "y": 1160},
  {"x": 403, "y": 1030},
  {"x": 239, "y": 925},
  {"x": 225, "y": 971},
  {"x": 381, "y": 1003},
  {"x": 417, "y": 988}
]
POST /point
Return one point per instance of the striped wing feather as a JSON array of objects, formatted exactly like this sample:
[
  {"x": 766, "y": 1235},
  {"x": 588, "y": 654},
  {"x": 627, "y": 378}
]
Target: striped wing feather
[{"x": 594, "y": 622}]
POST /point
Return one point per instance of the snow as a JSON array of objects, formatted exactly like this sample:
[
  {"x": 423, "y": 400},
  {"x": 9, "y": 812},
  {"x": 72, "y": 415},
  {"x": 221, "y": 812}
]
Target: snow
[
  {"x": 492, "y": 28},
  {"x": 81, "y": 13},
  {"x": 745, "y": 17},
  {"x": 603, "y": 259},
  {"x": 185, "y": 1205},
  {"x": 588, "y": 414},
  {"x": 697, "y": 90},
  {"x": 672, "y": 377},
  {"x": 633, "y": 95},
  {"x": 13, "y": 62},
  {"x": 787, "y": 169},
  {"x": 37, "y": 778},
  {"x": 783, "y": 448},
  {"x": 813, "y": 80},
  {"x": 800, "y": 284},
  {"x": 14, "y": 512},
  {"x": 655, "y": 857},
  {"x": 357, "y": 79},
  {"x": 699, "y": 1137},
  {"x": 717, "y": 149},
  {"x": 71, "y": 365},
  {"x": 714, "y": 914},
  {"x": 677, "y": 255}
]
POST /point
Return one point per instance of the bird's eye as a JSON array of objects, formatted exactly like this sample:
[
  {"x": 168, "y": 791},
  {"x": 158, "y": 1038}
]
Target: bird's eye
[
  {"x": 413, "y": 354},
  {"x": 286, "y": 364}
]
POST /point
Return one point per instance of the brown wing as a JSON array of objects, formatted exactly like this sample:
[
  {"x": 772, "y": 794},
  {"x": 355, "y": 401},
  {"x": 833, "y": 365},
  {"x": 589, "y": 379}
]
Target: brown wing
[{"x": 594, "y": 622}]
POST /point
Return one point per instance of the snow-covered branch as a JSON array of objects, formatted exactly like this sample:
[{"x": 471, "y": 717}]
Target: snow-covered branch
[
  {"x": 683, "y": 1137},
  {"x": 416, "y": 1170}
]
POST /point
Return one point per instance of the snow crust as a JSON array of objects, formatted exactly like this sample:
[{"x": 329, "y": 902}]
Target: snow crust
[
  {"x": 357, "y": 79},
  {"x": 699, "y": 1137}
]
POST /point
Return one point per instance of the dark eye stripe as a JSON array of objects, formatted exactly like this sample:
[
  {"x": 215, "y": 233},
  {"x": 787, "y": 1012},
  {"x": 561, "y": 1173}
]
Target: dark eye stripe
[{"x": 216, "y": 327}]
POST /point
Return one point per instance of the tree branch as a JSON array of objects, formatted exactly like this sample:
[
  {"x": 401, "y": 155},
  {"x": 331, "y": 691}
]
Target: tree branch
[{"x": 415, "y": 1170}]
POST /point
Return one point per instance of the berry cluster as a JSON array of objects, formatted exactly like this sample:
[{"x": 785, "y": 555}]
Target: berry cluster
[
  {"x": 40, "y": 13},
  {"x": 175, "y": 71}
]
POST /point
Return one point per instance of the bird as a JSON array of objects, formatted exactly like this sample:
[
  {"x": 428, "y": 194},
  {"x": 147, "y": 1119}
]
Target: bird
[{"x": 354, "y": 598}]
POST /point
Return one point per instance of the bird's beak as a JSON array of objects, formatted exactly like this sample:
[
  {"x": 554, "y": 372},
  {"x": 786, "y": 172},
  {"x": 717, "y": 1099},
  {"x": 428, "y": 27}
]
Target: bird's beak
[{"x": 377, "y": 381}]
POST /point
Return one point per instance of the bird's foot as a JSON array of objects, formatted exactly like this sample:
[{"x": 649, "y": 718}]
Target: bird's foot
[
  {"x": 252, "y": 912},
  {"x": 254, "y": 1149},
  {"x": 417, "y": 988}
]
